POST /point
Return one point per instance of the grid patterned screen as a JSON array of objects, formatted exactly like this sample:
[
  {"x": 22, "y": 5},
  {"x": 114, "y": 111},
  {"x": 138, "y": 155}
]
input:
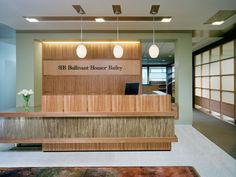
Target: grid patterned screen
[{"x": 214, "y": 80}]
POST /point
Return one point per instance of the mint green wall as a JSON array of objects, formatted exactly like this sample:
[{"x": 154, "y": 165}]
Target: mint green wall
[
  {"x": 24, "y": 67},
  {"x": 7, "y": 67},
  {"x": 28, "y": 63},
  {"x": 7, "y": 72},
  {"x": 37, "y": 73}
]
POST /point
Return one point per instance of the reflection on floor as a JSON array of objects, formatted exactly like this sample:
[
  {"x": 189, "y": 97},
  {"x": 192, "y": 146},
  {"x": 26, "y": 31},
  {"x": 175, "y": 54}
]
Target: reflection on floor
[
  {"x": 193, "y": 149},
  {"x": 221, "y": 133}
]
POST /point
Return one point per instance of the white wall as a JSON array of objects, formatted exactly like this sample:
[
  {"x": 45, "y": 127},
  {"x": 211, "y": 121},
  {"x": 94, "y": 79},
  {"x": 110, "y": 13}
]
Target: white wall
[{"x": 25, "y": 43}]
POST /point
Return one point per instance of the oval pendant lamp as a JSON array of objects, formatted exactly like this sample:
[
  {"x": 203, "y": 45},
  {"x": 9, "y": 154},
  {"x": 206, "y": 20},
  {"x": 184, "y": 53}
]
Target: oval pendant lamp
[
  {"x": 81, "y": 50},
  {"x": 153, "y": 50},
  {"x": 117, "y": 50}
]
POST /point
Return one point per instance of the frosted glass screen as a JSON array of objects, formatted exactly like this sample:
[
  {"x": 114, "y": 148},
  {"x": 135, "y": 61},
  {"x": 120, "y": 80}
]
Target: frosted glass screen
[
  {"x": 205, "y": 70},
  {"x": 228, "y": 50},
  {"x": 215, "y": 76},
  {"x": 198, "y": 71},
  {"x": 227, "y": 66},
  {"x": 228, "y": 83},
  {"x": 215, "y": 83},
  {"x": 215, "y": 95},
  {"x": 205, "y": 57},
  {"x": 205, "y": 82},
  {"x": 198, "y": 82},
  {"x": 215, "y": 68},
  {"x": 228, "y": 97},
  {"x": 198, "y": 92},
  {"x": 198, "y": 59},
  {"x": 205, "y": 93},
  {"x": 215, "y": 54}
]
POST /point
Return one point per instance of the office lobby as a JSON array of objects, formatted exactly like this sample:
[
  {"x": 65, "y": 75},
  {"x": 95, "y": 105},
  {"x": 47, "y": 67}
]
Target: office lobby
[{"x": 142, "y": 88}]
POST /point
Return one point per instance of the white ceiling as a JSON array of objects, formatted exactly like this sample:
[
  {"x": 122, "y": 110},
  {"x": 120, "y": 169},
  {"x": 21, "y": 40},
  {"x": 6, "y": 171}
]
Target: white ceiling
[{"x": 187, "y": 14}]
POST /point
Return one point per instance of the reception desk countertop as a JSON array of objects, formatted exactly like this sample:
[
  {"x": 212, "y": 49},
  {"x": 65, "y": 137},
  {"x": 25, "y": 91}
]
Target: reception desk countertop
[{"x": 37, "y": 112}]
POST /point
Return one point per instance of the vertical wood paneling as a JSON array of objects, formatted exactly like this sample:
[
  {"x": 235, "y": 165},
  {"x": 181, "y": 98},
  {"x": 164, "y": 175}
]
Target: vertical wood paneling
[
  {"x": 106, "y": 103},
  {"x": 122, "y": 103},
  {"x": 53, "y": 103},
  {"x": 65, "y": 51},
  {"x": 153, "y": 103},
  {"x": 76, "y": 103},
  {"x": 88, "y": 85},
  {"x": 99, "y": 103},
  {"x": 105, "y": 146}
]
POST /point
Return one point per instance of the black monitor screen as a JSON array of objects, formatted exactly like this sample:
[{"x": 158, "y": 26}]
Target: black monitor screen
[{"x": 131, "y": 88}]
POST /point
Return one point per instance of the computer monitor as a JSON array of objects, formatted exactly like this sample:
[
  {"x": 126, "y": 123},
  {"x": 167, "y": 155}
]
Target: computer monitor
[{"x": 131, "y": 88}]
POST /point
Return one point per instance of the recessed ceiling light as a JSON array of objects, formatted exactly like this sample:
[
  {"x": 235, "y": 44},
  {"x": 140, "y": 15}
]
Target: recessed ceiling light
[
  {"x": 218, "y": 23},
  {"x": 166, "y": 20},
  {"x": 221, "y": 15},
  {"x": 79, "y": 9},
  {"x": 154, "y": 9},
  {"x": 31, "y": 19},
  {"x": 100, "y": 20}
]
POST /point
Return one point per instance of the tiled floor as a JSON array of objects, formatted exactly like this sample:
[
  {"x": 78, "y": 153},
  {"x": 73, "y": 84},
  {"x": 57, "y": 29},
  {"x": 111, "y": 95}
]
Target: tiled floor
[{"x": 193, "y": 149}]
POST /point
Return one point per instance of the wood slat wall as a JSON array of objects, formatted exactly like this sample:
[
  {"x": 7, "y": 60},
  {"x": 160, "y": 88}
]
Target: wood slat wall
[
  {"x": 89, "y": 84},
  {"x": 106, "y": 103},
  {"x": 65, "y": 51},
  {"x": 86, "y": 85}
]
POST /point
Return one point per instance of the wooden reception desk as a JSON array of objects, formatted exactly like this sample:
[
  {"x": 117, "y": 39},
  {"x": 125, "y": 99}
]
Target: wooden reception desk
[{"x": 94, "y": 122}]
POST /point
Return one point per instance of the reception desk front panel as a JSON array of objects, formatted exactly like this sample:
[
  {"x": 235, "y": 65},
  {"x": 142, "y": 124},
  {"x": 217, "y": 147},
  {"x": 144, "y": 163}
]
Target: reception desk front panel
[{"x": 104, "y": 122}]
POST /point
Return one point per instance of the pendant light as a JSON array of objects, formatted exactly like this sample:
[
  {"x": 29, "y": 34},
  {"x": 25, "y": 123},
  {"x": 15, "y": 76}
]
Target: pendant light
[
  {"x": 117, "y": 50},
  {"x": 153, "y": 50},
  {"x": 81, "y": 50}
]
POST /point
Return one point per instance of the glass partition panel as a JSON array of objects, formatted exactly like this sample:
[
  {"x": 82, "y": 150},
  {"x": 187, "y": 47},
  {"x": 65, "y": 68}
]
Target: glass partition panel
[
  {"x": 198, "y": 71},
  {"x": 205, "y": 70},
  {"x": 228, "y": 97},
  {"x": 228, "y": 83},
  {"x": 205, "y": 93},
  {"x": 215, "y": 95},
  {"x": 215, "y": 82},
  {"x": 157, "y": 73},
  {"x": 205, "y": 57},
  {"x": 227, "y": 66},
  {"x": 228, "y": 50},
  {"x": 215, "y": 68},
  {"x": 144, "y": 75},
  {"x": 205, "y": 82},
  {"x": 198, "y": 82},
  {"x": 198, "y": 60},
  {"x": 215, "y": 54},
  {"x": 198, "y": 92}
]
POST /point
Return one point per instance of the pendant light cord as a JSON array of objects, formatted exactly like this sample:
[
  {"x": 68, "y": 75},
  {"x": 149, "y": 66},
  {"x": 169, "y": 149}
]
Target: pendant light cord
[
  {"x": 81, "y": 30},
  {"x": 117, "y": 29},
  {"x": 153, "y": 33}
]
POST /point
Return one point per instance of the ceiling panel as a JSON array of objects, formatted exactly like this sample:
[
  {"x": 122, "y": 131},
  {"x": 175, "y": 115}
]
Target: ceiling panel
[{"x": 12, "y": 11}]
